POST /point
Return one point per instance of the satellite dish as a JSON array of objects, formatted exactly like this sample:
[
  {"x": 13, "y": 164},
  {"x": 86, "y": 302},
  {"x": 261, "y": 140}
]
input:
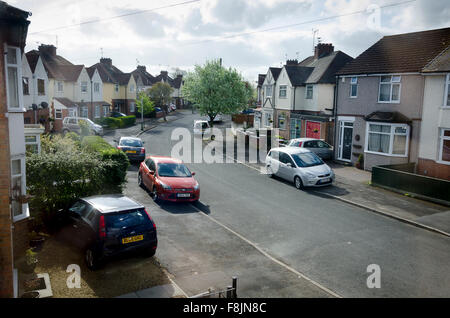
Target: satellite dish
[
  {"x": 44, "y": 105},
  {"x": 34, "y": 107}
]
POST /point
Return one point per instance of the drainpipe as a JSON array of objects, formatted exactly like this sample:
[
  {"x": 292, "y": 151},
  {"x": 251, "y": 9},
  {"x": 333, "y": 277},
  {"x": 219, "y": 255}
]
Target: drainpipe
[
  {"x": 92, "y": 101},
  {"x": 335, "y": 112}
]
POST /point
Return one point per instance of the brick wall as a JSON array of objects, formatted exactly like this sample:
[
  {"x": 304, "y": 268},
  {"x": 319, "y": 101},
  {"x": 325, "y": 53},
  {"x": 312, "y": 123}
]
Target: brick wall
[
  {"x": 6, "y": 261},
  {"x": 430, "y": 168},
  {"x": 20, "y": 238}
]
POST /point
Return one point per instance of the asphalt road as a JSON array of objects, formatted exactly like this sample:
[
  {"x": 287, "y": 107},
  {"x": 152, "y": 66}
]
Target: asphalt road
[{"x": 282, "y": 242}]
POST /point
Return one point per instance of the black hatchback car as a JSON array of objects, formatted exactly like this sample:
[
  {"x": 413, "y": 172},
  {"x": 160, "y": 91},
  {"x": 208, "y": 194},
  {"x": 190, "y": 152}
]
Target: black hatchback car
[
  {"x": 133, "y": 148},
  {"x": 108, "y": 225}
]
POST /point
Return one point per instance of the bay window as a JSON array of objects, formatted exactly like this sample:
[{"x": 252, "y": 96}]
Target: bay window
[
  {"x": 282, "y": 121},
  {"x": 105, "y": 111},
  {"x": 41, "y": 87},
  {"x": 389, "y": 91},
  {"x": 13, "y": 67},
  {"x": 389, "y": 139}
]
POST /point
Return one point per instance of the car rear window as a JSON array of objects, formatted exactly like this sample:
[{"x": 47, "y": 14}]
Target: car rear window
[
  {"x": 305, "y": 160},
  {"x": 130, "y": 143},
  {"x": 127, "y": 219}
]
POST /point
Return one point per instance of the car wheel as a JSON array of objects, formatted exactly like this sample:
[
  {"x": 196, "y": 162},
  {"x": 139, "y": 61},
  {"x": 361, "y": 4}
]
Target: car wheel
[
  {"x": 298, "y": 183},
  {"x": 149, "y": 253},
  {"x": 140, "y": 183},
  {"x": 91, "y": 259},
  {"x": 155, "y": 195},
  {"x": 269, "y": 172}
]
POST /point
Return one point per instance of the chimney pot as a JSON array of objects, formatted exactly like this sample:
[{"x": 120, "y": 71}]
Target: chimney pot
[
  {"x": 106, "y": 61},
  {"x": 292, "y": 62},
  {"x": 323, "y": 49},
  {"x": 47, "y": 49}
]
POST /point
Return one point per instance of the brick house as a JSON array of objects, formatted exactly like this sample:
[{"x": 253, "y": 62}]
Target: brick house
[
  {"x": 13, "y": 213},
  {"x": 380, "y": 100}
]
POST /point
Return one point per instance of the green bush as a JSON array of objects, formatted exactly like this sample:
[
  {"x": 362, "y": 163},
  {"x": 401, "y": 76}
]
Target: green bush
[
  {"x": 111, "y": 122},
  {"x": 127, "y": 121},
  {"x": 117, "y": 160},
  {"x": 66, "y": 170}
]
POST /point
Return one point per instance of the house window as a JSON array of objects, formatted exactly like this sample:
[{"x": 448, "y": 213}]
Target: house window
[
  {"x": 132, "y": 107},
  {"x": 389, "y": 89},
  {"x": 105, "y": 111},
  {"x": 97, "y": 111},
  {"x": 72, "y": 112},
  {"x": 60, "y": 87},
  {"x": 268, "y": 91},
  {"x": 354, "y": 87},
  {"x": 389, "y": 139},
  {"x": 84, "y": 112},
  {"x": 444, "y": 152},
  {"x": 41, "y": 87},
  {"x": 58, "y": 113},
  {"x": 131, "y": 88},
  {"x": 447, "y": 91},
  {"x": 25, "y": 85},
  {"x": 283, "y": 91},
  {"x": 117, "y": 87},
  {"x": 13, "y": 75},
  {"x": 18, "y": 187},
  {"x": 84, "y": 87},
  {"x": 96, "y": 87},
  {"x": 282, "y": 121},
  {"x": 32, "y": 144},
  {"x": 309, "y": 92}
]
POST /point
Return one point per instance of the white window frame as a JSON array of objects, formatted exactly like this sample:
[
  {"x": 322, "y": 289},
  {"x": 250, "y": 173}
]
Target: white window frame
[
  {"x": 353, "y": 82},
  {"x": 37, "y": 142},
  {"x": 446, "y": 91},
  {"x": 25, "y": 210},
  {"x": 58, "y": 114},
  {"x": 73, "y": 112},
  {"x": 27, "y": 79},
  {"x": 18, "y": 66},
  {"x": 391, "y": 138},
  {"x": 283, "y": 88},
  {"x": 60, "y": 87},
  {"x": 105, "y": 111},
  {"x": 132, "y": 88},
  {"x": 84, "y": 84},
  {"x": 97, "y": 111},
  {"x": 391, "y": 83},
  {"x": 306, "y": 91},
  {"x": 441, "y": 145}
]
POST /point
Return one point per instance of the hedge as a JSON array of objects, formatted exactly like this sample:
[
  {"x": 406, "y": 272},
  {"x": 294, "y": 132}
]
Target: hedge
[
  {"x": 128, "y": 121},
  {"x": 120, "y": 122}
]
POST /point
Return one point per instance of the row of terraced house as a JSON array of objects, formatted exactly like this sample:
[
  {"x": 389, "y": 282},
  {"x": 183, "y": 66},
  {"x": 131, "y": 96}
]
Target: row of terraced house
[
  {"x": 55, "y": 88},
  {"x": 389, "y": 106}
]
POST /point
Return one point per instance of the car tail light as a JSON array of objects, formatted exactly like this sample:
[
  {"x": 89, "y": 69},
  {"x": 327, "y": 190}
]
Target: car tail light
[
  {"x": 154, "y": 225},
  {"x": 142, "y": 150},
  {"x": 102, "y": 227}
]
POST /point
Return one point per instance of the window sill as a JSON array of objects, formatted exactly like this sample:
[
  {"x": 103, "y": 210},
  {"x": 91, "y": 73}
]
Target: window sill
[
  {"x": 17, "y": 110},
  {"x": 443, "y": 162},
  {"x": 385, "y": 154},
  {"x": 445, "y": 107},
  {"x": 391, "y": 102},
  {"x": 23, "y": 216}
]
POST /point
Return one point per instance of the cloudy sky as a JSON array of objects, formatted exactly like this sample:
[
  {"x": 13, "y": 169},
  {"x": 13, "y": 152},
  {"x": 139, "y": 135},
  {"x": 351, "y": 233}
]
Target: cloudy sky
[{"x": 249, "y": 35}]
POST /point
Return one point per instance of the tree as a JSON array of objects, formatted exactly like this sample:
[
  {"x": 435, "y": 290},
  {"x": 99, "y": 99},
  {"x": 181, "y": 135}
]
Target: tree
[
  {"x": 160, "y": 93},
  {"x": 215, "y": 90},
  {"x": 144, "y": 101}
]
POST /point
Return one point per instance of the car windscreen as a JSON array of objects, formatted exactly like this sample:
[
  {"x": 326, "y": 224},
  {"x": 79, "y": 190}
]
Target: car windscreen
[
  {"x": 130, "y": 143},
  {"x": 176, "y": 170},
  {"x": 309, "y": 159},
  {"x": 129, "y": 219}
]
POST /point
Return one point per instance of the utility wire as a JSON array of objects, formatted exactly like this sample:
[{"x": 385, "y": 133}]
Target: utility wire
[
  {"x": 292, "y": 25},
  {"x": 116, "y": 17}
]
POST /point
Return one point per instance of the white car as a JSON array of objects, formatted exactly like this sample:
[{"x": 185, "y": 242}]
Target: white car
[
  {"x": 300, "y": 166},
  {"x": 201, "y": 127},
  {"x": 218, "y": 118}
]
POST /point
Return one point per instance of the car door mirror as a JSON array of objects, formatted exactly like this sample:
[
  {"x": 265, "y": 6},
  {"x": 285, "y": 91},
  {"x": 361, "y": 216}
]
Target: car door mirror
[
  {"x": 289, "y": 164},
  {"x": 193, "y": 173}
]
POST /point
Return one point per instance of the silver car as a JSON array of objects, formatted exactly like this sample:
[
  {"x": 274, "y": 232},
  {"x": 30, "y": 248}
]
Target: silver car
[
  {"x": 319, "y": 147},
  {"x": 72, "y": 124},
  {"x": 300, "y": 166}
]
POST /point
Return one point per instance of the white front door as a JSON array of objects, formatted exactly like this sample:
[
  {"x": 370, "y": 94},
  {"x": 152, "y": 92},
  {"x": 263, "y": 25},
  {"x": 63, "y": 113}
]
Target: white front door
[{"x": 345, "y": 140}]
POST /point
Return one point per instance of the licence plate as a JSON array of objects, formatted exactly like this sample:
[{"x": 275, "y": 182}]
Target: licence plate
[
  {"x": 183, "y": 195},
  {"x": 325, "y": 180},
  {"x": 132, "y": 239},
  {"x": 131, "y": 151}
]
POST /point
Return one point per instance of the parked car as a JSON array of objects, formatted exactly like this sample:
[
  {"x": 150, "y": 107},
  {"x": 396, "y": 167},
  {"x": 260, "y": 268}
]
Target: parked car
[
  {"x": 201, "y": 127},
  {"x": 319, "y": 147},
  {"x": 248, "y": 111},
  {"x": 173, "y": 107},
  {"x": 106, "y": 226},
  {"x": 218, "y": 118},
  {"x": 72, "y": 124},
  {"x": 133, "y": 148},
  {"x": 300, "y": 166},
  {"x": 116, "y": 114},
  {"x": 168, "y": 179}
]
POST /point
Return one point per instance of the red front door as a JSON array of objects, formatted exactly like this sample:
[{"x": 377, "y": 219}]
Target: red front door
[{"x": 312, "y": 129}]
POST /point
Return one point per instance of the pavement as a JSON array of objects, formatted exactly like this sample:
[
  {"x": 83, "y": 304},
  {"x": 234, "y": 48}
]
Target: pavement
[{"x": 281, "y": 242}]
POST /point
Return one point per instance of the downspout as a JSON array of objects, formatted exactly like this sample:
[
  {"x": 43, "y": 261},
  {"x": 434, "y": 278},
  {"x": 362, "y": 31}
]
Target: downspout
[
  {"x": 92, "y": 102},
  {"x": 335, "y": 112}
]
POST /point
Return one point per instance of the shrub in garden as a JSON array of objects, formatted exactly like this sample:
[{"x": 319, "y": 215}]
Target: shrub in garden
[{"x": 127, "y": 121}]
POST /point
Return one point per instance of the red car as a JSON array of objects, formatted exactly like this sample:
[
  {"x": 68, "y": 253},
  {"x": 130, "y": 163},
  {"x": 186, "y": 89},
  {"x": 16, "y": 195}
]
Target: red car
[{"x": 168, "y": 179}]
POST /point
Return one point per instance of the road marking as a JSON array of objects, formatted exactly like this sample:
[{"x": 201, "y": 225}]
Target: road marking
[{"x": 273, "y": 259}]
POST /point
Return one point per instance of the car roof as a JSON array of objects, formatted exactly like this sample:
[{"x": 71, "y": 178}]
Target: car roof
[
  {"x": 200, "y": 121},
  {"x": 112, "y": 203},
  {"x": 163, "y": 159},
  {"x": 130, "y": 138},
  {"x": 304, "y": 139},
  {"x": 290, "y": 150}
]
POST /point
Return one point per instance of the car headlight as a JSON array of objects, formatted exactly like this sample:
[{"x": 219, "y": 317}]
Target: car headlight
[
  {"x": 165, "y": 186},
  {"x": 310, "y": 175},
  {"x": 196, "y": 187}
]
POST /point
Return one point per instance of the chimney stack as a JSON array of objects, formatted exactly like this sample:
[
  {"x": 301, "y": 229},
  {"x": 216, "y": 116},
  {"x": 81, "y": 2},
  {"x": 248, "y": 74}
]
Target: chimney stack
[
  {"x": 47, "y": 49},
  {"x": 292, "y": 62},
  {"x": 106, "y": 61},
  {"x": 322, "y": 50},
  {"x": 142, "y": 68}
]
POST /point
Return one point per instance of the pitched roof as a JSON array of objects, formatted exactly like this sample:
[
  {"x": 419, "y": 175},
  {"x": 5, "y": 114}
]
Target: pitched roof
[
  {"x": 261, "y": 78},
  {"x": 325, "y": 68},
  {"x": 108, "y": 74},
  {"x": 70, "y": 73},
  {"x": 440, "y": 64},
  {"x": 178, "y": 81},
  {"x": 400, "y": 53},
  {"x": 123, "y": 79},
  {"x": 298, "y": 74},
  {"x": 275, "y": 72},
  {"x": 66, "y": 102},
  {"x": 32, "y": 58},
  {"x": 58, "y": 67},
  {"x": 147, "y": 78}
]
